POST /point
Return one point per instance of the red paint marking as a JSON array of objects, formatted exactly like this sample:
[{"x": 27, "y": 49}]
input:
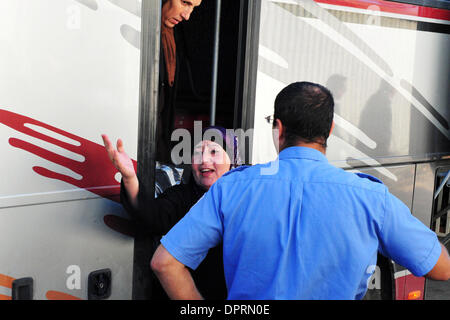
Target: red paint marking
[
  {"x": 97, "y": 171},
  {"x": 393, "y": 7},
  {"x": 400, "y": 288},
  {"x": 57, "y": 295},
  {"x": 6, "y": 281}
]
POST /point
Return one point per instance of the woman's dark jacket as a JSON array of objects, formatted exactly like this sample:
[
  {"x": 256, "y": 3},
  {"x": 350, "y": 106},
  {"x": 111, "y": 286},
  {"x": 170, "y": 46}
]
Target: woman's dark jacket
[{"x": 158, "y": 215}]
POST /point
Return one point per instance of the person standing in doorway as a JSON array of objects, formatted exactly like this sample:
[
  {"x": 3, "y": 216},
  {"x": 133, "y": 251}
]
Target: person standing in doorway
[{"x": 173, "y": 12}]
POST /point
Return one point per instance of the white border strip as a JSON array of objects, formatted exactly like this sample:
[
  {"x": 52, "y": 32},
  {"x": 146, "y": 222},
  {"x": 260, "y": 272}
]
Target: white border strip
[
  {"x": 6, "y": 291},
  {"x": 402, "y": 273}
]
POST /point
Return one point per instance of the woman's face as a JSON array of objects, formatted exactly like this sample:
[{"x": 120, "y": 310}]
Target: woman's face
[
  {"x": 209, "y": 163},
  {"x": 175, "y": 11}
]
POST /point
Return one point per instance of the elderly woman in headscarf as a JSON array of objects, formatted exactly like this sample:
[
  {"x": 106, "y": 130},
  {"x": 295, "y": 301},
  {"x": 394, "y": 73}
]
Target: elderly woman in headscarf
[{"x": 210, "y": 160}]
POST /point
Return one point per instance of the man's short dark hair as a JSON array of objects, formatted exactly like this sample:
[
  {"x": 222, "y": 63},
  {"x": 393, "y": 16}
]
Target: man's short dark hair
[{"x": 306, "y": 111}]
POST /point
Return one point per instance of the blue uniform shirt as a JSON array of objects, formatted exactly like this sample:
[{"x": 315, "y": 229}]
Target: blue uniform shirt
[{"x": 309, "y": 231}]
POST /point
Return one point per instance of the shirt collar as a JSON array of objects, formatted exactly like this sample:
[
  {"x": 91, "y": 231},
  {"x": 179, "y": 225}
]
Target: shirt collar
[{"x": 302, "y": 153}]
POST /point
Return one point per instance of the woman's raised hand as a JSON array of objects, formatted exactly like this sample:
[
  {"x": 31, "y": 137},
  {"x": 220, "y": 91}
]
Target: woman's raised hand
[{"x": 119, "y": 158}]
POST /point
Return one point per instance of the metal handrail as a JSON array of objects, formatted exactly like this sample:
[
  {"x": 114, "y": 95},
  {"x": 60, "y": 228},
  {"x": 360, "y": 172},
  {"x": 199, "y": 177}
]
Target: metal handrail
[
  {"x": 215, "y": 65},
  {"x": 441, "y": 186}
]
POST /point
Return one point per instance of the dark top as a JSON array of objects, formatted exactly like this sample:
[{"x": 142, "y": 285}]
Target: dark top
[
  {"x": 166, "y": 102},
  {"x": 158, "y": 215}
]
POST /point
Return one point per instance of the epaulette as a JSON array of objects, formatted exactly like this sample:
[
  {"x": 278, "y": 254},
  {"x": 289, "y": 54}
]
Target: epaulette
[
  {"x": 368, "y": 176},
  {"x": 240, "y": 168}
]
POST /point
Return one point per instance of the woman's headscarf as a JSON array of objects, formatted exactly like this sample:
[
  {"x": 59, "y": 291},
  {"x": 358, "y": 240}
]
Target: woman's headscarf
[{"x": 229, "y": 142}]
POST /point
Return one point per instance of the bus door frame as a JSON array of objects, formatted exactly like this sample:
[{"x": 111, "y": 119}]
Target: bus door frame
[{"x": 146, "y": 160}]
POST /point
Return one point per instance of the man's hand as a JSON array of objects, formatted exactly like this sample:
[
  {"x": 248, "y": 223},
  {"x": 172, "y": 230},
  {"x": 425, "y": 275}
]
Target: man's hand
[{"x": 174, "y": 276}]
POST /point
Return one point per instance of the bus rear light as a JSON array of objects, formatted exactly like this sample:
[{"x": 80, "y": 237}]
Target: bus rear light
[{"x": 413, "y": 295}]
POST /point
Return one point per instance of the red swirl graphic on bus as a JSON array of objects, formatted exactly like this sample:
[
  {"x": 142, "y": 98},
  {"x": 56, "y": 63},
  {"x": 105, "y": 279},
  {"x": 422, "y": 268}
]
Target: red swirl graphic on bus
[{"x": 96, "y": 170}]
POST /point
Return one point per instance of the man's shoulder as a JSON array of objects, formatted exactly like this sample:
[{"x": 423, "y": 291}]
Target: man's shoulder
[
  {"x": 335, "y": 175},
  {"x": 364, "y": 181},
  {"x": 237, "y": 169},
  {"x": 247, "y": 171},
  {"x": 235, "y": 173},
  {"x": 241, "y": 175},
  {"x": 325, "y": 173}
]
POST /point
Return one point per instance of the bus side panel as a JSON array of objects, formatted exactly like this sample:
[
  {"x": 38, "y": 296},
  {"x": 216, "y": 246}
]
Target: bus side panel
[
  {"x": 375, "y": 66},
  {"x": 60, "y": 243}
]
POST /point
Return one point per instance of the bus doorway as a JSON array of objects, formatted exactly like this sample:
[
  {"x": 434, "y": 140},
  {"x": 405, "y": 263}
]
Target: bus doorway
[
  {"x": 194, "y": 90},
  {"x": 193, "y": 101}
]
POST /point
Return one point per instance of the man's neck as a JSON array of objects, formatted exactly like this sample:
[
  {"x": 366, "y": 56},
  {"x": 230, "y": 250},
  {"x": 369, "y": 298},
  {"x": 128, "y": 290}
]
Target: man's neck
[{"x": 312, "y": 145}]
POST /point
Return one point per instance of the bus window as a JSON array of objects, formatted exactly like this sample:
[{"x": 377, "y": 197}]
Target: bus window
[{"x": 442, "y": 4}]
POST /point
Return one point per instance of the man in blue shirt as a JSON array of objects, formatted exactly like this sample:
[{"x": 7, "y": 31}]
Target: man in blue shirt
[{"x": 307, "y": 231}]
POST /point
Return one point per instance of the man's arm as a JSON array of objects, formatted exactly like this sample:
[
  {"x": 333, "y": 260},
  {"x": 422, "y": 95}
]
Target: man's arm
[
  {"x": 441, "y": 271},
  {"x": 174, "y": 276},
  {"x": 407, "y": 241}
]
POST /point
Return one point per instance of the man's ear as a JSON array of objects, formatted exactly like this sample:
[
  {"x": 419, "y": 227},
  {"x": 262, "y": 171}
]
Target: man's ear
[
  {"x": 278, "y": 134},
  {"x": 281, "y": 128},
  {"x": 332, "y": 127}
]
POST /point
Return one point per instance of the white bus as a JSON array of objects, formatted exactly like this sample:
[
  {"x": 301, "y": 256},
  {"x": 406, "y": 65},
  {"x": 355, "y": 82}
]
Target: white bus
[{"x": 71, "y": 70}]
